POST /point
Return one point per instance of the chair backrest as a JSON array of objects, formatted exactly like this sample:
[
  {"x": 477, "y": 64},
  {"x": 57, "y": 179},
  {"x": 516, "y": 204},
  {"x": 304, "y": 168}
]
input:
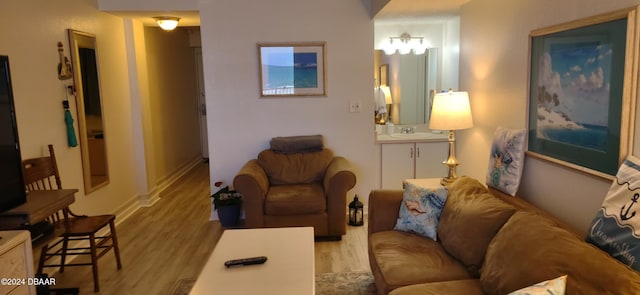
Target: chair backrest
[
  {"x": 41, "y": 173},
  {"x": 295, "y": 168}
]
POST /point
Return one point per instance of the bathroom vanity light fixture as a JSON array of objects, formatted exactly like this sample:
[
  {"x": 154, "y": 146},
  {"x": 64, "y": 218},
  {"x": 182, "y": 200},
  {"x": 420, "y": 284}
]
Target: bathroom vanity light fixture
[
  {"x": 451, "y": 111},
  {"x": 404, "y": 44},
  {"x": 167, "y": 23}
]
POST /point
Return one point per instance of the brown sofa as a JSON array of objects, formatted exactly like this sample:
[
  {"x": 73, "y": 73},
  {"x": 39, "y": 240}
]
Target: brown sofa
[
  {"x": 488, "y": 243},
  {"x": 296, "y": 189}
]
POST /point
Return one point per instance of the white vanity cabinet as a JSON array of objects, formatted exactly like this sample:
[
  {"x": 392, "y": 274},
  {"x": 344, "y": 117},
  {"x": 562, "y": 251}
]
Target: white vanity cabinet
[{"x": 407, "y": 160}]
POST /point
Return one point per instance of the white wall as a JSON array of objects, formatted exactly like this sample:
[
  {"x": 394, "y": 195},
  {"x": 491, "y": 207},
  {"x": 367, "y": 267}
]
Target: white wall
[
  {"x": 29, "y": 31},
  {"x": 241, "y": 123},
  {"x": 494, "y": 69}
]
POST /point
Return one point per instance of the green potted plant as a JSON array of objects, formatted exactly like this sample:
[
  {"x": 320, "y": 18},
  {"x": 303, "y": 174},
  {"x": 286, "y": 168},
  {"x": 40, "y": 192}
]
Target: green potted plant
[{"x": 228, "y": 203}]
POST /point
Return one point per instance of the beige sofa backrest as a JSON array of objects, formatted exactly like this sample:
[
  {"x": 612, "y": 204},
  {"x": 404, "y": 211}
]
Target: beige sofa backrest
[
  {"x": 294, "y": 168},
  {"x": 531, "y": 248}
]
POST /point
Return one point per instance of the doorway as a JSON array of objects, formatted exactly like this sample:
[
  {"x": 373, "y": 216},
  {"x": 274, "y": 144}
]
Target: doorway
[{"x": 202, "y": 104}]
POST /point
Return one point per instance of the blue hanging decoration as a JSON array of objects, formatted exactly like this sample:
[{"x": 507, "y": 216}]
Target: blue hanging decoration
[
  {"x": 72, "y": 141},
  {"x": 71, "y": 133}
]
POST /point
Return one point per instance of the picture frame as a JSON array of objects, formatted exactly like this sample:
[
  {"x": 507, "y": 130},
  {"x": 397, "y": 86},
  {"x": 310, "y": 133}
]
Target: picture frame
[
  {"x": 292, "y": 69},
  {"x": 583, "y": 83}
]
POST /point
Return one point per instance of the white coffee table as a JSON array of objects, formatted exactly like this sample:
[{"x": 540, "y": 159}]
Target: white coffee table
[{"x": 290, "y": 268}]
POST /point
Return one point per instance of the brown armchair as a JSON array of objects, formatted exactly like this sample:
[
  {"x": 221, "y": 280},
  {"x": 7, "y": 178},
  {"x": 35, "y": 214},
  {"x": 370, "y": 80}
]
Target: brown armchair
[{"x": 296, "y": 189}]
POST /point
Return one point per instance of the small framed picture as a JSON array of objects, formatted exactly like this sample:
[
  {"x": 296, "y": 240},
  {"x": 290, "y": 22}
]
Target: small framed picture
[{"x": 292, "y": 69}]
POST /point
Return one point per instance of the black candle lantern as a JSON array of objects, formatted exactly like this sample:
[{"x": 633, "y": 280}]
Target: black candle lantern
[{"x": 356, "y": 212}]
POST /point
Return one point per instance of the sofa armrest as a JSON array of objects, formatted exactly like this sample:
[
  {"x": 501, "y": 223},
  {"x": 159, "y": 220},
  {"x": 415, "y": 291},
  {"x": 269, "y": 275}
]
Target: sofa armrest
[
  {"x": 338, "y": 180},
  {"x": 252, "y": 182},
  {"x": 384, "y": 207}
]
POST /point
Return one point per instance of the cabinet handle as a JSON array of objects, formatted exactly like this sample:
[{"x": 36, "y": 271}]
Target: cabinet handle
[
  {"x": 411, "y": 154},
  {"x": 417, "y": 152}
]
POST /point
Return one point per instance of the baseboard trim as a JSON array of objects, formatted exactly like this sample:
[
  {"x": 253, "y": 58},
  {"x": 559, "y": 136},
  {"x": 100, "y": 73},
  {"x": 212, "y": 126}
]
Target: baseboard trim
[{"x": 153, "y": 195}]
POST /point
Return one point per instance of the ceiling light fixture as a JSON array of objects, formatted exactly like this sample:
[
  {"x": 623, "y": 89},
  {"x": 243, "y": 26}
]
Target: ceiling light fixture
[
  {"x": 167, "y": 23},
  {"x": 406, "y": 43}
]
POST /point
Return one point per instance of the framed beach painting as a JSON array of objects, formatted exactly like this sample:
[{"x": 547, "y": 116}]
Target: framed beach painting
[
  {"x": 292, "y": 69},
  {"x": 582, "y": 90}
]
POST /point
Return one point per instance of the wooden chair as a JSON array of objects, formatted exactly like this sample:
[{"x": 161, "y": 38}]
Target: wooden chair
[{"x": 42, "y": 174}]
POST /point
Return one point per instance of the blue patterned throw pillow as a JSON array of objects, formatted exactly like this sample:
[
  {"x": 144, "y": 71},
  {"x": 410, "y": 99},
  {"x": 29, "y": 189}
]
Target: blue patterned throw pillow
[
  {"x": 616, "y": 227},
  {"x": 421, "y": 209},
  {"x": 506, "y": 160}
]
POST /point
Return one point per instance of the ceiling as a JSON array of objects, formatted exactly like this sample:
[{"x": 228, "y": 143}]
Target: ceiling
[
  {"x": 393, "y": 10},
  {"x": 398, "y": 9},
  {"x": 187, "y": 18}
]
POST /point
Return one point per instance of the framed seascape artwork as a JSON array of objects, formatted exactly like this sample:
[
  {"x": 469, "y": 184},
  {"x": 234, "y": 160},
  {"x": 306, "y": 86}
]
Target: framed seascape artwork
[
  {"x": 583, "y": 84},
  {"x": 292, "y": 69}
]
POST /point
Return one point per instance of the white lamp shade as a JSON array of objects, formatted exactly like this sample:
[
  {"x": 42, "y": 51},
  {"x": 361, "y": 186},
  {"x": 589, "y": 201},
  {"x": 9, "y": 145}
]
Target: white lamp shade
[{"x": 451, "y": 111}]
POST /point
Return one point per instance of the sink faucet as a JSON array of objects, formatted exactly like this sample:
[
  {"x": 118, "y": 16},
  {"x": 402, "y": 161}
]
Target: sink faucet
[{"x": 407, "y": 130}]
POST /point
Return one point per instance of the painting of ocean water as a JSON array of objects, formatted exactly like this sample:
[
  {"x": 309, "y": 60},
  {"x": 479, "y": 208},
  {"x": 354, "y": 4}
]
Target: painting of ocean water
[
  {"x": 288, "y": 77},
  {"x": 573, "y": 93},
  {"x": 284, "y": 70},
  {"x": 577, "y": 101},
  {"x": 590, "y": 136}
]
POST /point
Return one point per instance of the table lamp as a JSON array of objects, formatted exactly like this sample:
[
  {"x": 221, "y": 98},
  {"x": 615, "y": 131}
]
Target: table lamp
[{"x": 451, "y": 111}]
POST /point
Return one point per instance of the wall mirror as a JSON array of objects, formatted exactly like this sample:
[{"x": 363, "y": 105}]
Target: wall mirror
[
  {"x": 90, "y": 123},
  {"x": 412, "y": 78}
]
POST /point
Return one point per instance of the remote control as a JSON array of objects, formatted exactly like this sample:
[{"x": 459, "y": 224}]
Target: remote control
[{"x": 246, "y": 261}]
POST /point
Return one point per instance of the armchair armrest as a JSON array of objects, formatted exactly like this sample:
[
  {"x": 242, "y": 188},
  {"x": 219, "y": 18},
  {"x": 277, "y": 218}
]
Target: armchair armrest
[
  {"x": 339, "y": 176},
  {"x": 338, "y": 180},
  {"x": 384, "y": 207},
  {"x": 252, "y": 182}
]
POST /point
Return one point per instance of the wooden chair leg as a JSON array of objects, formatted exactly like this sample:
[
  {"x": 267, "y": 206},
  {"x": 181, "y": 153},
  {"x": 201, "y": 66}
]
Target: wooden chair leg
[
  {"x": 63, "y": 257},
  {"x": 114, "y": 240},
  {"x": 94, "y": 262},
  {"x": 43, "y": 256}
]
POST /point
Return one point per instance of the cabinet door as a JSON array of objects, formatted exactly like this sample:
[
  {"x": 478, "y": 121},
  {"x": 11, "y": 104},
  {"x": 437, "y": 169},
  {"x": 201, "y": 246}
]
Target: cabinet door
[
  {"x": 429, "y": 158},
  {"x": 397, "y": 164}
]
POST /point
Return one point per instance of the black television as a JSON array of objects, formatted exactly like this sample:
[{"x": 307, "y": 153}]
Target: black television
[{"x": 12, "y": 189}]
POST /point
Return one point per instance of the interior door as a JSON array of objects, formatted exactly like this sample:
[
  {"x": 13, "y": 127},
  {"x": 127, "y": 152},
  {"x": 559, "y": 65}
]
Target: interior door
[{"x": 204, "y": 138}]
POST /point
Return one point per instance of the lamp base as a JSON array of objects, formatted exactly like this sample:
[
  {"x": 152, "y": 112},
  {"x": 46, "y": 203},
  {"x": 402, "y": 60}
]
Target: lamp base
[{"x": 451, "y": 162}]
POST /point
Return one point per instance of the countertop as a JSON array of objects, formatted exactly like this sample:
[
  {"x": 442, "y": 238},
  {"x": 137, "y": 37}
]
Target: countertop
[{"x": 430, "y": 136}]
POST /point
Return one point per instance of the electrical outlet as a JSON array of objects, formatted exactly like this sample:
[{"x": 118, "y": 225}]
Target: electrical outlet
[{"x": 354, "y": 106}]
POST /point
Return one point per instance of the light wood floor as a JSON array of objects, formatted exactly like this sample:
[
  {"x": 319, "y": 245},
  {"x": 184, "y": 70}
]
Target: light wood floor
[{"x": 173, "y": 239}]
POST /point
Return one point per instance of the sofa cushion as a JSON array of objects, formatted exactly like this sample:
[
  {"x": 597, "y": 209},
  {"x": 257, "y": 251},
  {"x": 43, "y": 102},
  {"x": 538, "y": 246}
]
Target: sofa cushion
[
  {"x": 295, "y": 168},
  {"x": 614, "y": 228},
  {"x": 530, "y": 248},
  {"x": 405, "y": 259},
  {"x": 550, "y": 287},
  {"x": 466, "y": 185},
  {"x": 470, "y": 219},
  {"x": 420, "y": 210},
  {"x": 295, "y": 199},
  {"x": 466, "y": 287}
]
